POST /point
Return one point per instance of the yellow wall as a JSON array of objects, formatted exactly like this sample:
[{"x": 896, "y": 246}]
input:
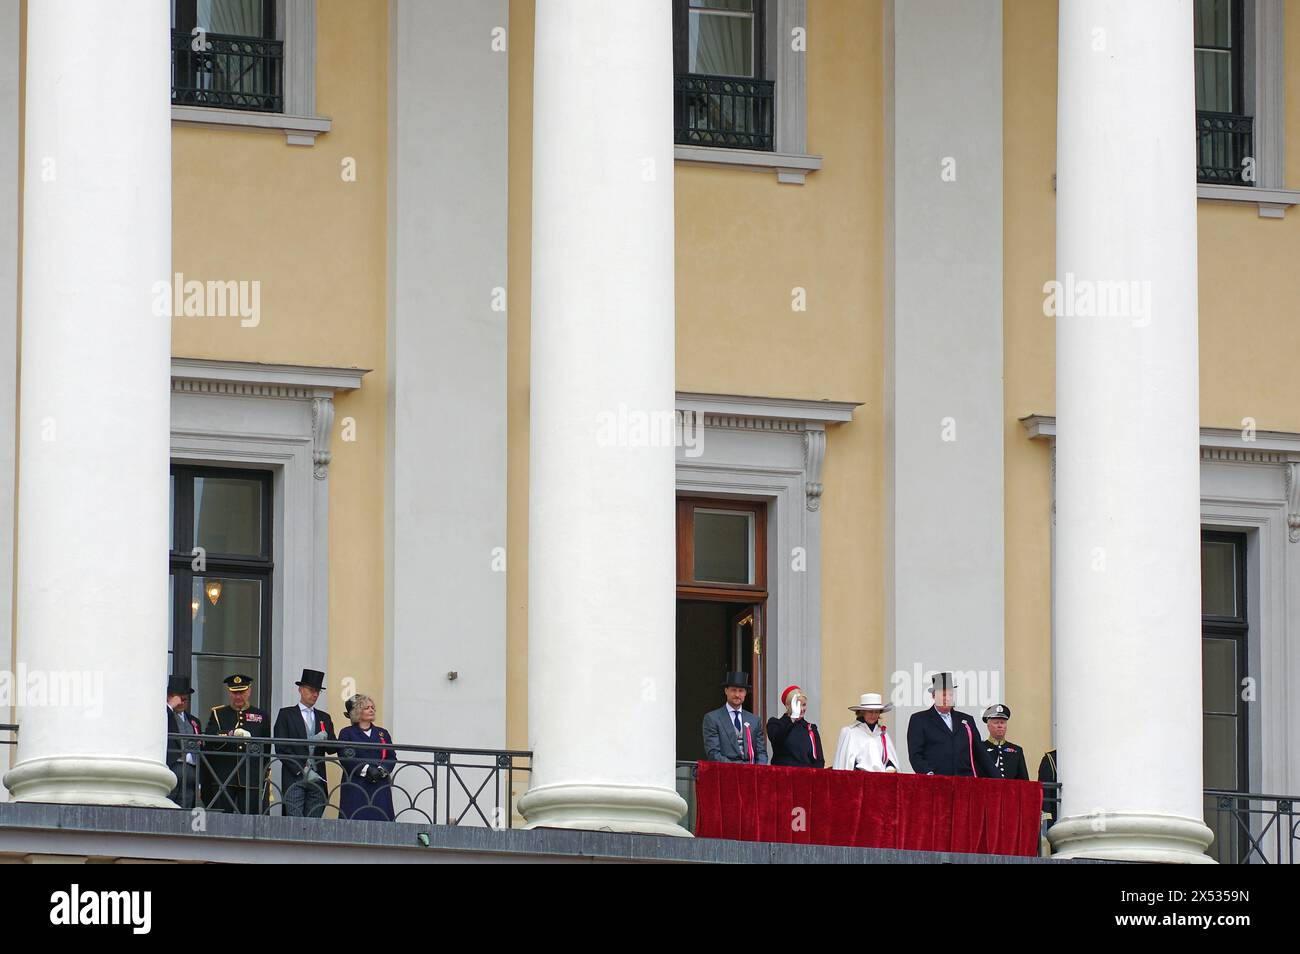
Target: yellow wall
[{"x": 246, "y": 206}]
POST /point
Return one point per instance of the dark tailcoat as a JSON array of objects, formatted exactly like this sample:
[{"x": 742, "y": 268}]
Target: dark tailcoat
[
  {"x": 365, "y": 794},
  {"x": 791, "y": 744},
  {"x": 932, "y": 748},
  {"x": 186, "y": 792},
  {"x": 1047, "y": 775},
  {"x": 240, "y": 765},
  {"x": 290, "y": 725}
]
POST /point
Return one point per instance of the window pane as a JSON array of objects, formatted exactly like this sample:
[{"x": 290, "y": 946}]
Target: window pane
[
  {"x": 235, "y": 17},
  {"x": 211, "y": 691},
  {"x": 1219, "y": 579},
  {"x": 720, "y": 45},
  {"x": 1221, "y": 752},
  {"x": 228, "y": 616},
  {"x": 1214, "y": 81},
  {"x": 724, "y": 545},
  {"x": 746, "y": 5},
  {"x": 1213, "y": 23},
  {"x": 1219, "y": 676},
  {"x": 228, "y": 515},
  {"x": 171, "y": 614}
]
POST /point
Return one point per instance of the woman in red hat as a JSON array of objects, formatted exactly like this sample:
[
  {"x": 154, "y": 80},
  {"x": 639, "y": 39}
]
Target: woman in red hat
[{"x": 795, "y": 740}]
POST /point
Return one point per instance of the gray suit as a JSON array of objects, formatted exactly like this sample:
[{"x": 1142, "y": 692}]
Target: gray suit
[{"x": 721, "y": 744}]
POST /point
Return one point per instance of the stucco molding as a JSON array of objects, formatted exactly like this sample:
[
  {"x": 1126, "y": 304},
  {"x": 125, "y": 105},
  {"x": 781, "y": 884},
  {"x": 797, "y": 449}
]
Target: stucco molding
[
  {"x": 790, "y": 168},
  {"x": 814, "y": 453}
]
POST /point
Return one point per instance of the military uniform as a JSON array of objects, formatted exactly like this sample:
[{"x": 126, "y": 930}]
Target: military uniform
[
  {"x": 1008, "y": 758},
  {"x": 237, "y": 769},
  {"x": 1047, "y": 775}
]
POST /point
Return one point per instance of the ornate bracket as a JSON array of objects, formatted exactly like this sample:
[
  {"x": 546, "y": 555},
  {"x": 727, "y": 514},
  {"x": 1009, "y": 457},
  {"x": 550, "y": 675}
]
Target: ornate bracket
[
  {"x": 814, "y": 452},
  {"x": 322, "y": 423},
  {"x": 1292, "y": 472}
]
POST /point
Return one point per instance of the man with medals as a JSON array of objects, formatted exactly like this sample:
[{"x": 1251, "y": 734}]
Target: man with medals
[
  {"x": 866, "y": 745},
  {"x": 1007, "y": 758},
  {"x": 237, "y": 768}
]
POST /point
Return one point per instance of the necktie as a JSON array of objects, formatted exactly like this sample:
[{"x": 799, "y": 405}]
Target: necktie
[{"x": 735, "y": 717}]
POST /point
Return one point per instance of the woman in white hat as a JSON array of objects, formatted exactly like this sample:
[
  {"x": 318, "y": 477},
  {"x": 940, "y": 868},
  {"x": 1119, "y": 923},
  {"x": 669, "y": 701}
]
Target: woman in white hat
[{"x": 866, "y": 745}]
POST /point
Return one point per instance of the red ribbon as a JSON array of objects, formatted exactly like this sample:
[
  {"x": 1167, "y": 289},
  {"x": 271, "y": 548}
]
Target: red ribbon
[
  {"x": 813, "y": 739},
  {"x": 749, "y": 742},
  {"x": 970, "y": 744},
  {"x": 884, "y": 748}
]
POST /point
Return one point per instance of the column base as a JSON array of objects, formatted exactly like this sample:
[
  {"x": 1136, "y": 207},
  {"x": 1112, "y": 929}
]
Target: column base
[
  {"x": 92, "y": 780},
  {"x": 1132, "y": 836},
  {"x": 605, "y": 807}
]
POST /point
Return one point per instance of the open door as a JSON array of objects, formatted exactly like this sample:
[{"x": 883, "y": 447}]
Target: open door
[{"x": 747, "y": 655}]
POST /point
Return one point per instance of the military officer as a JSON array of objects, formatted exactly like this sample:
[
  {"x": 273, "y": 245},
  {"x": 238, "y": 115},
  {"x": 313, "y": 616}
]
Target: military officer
[
  {"x": 238, "y": 769},
  {"x": 1007, "y": 757}
]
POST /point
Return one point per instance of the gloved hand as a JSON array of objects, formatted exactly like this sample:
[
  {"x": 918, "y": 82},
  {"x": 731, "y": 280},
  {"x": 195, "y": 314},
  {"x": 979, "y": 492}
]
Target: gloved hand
[
  {"x": 381, "y": 773},
  {"x": 318, "y": 736}
]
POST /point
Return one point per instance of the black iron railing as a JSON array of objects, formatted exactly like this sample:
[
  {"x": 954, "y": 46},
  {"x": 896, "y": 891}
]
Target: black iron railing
[
  {"x": 230, "y": 72},
  {"x": 732, "y": 112},
  {"x": 356, "y": 780},
  {"x": 1252, "y": 829},
  {"x": 1225, "y": 148}
]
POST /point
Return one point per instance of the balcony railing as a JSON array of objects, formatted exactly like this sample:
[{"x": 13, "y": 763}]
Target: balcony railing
[
  {"x": 1224, "y": 143},
  {"x": 400, "y": 782},
  {"x": 230, "y": 72},
  {"x": 731, "y": 112}
]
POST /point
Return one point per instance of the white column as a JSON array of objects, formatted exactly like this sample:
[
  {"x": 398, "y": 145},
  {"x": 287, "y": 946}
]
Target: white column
[
  {"x": 1128, "y": 669},
  {"x": 601, "y": 612},
  {"x": 92, "y": 511}
]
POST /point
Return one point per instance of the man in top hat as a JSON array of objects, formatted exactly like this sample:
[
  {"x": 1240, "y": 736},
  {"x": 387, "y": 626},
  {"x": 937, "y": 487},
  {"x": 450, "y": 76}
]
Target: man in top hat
[
  {"x": 183, "y": 760},
  {"x": 943, "y": 741},
  {"x": 1008, "y": 758},
  {"x": 865, "y": 745},
  {"x": 238, "y": 772},
  {"x": 305, "y": 790},
  {"x": 731, "y": 733}
]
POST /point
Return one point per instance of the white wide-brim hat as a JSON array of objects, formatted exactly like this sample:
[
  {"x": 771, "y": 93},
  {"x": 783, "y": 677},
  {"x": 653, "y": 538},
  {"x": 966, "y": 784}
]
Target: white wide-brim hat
[{"x": 871, "y": 701}]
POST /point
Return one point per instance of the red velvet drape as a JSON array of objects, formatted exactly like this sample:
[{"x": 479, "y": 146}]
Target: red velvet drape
[{"x": 867, "y": 809}]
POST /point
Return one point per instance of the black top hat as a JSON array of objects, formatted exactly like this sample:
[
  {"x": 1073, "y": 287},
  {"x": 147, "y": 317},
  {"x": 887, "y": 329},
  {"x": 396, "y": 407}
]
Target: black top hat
[
  {"x": 312, "y": 679},
  {"x": 998, "y": 711},
  {"x": 238, "y": 682},
  {"x": 179, "y": 686},
  {"x": 738, "y": 679}
]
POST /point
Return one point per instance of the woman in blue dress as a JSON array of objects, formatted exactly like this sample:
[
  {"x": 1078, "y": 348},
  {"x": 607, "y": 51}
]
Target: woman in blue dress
[{"x": 367, "y": 790}]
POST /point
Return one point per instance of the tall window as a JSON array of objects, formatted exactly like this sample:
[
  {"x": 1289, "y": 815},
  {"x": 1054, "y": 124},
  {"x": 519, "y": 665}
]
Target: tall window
[
  {"x": 221, "y": 610},
  {"x": 722, "y": 96},
  {"x": 1224, "y": 133},
  {"x": 225, "y": 54},
  {"x": 1224, "y": 660}
]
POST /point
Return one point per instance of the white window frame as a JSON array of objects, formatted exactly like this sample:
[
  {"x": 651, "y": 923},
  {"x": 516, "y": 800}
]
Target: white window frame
[
  {"x": 790, "y": 159},
  {"x": 277, "y": 418},
  {"x": 295, "y": 26}
]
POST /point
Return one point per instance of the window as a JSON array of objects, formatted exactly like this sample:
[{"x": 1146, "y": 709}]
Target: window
[
  {"x": 1224, "y": 658},
  {"x": 221, "y": 596},
  {"x": 1224, "y": 134},
  {"x": 225, "y": 54},
  {"x": 722, "y": 96}
]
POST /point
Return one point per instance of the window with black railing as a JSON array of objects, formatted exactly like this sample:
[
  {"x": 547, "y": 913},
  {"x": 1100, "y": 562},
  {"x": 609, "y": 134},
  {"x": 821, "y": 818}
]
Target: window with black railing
[
  {"x": 1224, "y": 132},
  {"x": 720, "y": 94},
  {"x": 225, "y": 55}
]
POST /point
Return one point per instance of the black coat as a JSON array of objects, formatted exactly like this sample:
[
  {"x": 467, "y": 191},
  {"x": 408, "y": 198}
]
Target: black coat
[
  {"x": 289, "y": 725},
  {"x": 932, "y": 749},
  {"x": 1008, "y": 759},
  {"x": 791, "y": 745},
  {"x": 175, "y": 752},
  {"x": 1047, "y": 775}
]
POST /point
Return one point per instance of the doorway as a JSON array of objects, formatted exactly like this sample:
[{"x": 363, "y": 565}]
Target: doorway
[{"x": 721, "y": 604}]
